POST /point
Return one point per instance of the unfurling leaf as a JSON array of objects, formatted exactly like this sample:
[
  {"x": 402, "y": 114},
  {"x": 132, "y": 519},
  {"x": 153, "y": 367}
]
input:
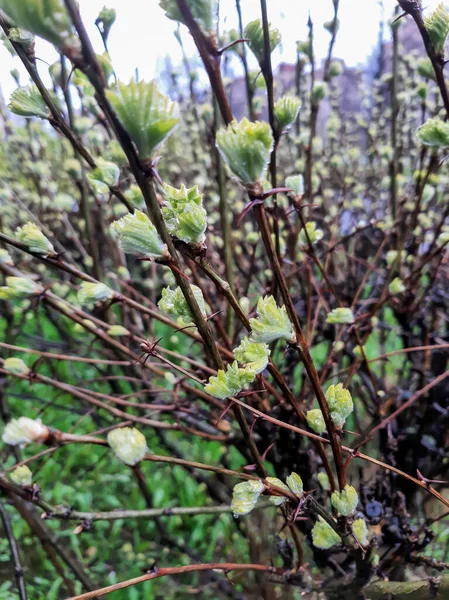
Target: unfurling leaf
[
  {"x": 138, "y": 235},
  {"x": 345, "y": 501},
  {"x": 230, "y": 382},
  {"x": 252, "y": 355},
  {"x": 286, "y": 111},
  {"x": 246, "y": 148},
  {"x": 315, "y": 420},
  {"x": 437, "y": 25},
  {"x": 174, "y": 303},
  {"x": 360, "y": 530},
  {"x": 340, "y": 404},
  {"x": 34, "y": 239},
  {"x": 184, "y": 214},
  {"x": 434, "y": 133},
  {"x": 324, "y": 536},
  {"x": 295, "y": 484},
  {"x": 272, "y": 323},
  {"x": 245, "y": 496},
  {"x": 90, "y": 293},
  {"x": 254, "y": 33},
  {"x": 147, "y": 115}
]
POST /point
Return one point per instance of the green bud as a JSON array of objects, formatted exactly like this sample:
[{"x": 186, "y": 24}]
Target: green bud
[
  {"x": 16, "y": 366},
  {"x": 295, "y": 484},
  {"x": 5, "y": 257},
  {"x": 245, "y": 496},
  {"x": 21, "y": 476},
  {"x": 434, "y": 133},
  {"x": 278, "y": 500},
  {"x": 23, "y": 431},
  {"x": 106, "y": 19},
  {"x": 345, "y": 502},
  {"x": 117, "y": 330},
  {"x": 254, "y": 33},
  {"x": 138, "y": 235},
  {"x": 323, "y": 535},
  {"x": 315, "y": 420},
  {"x": 46, "y": 18},
  {"x": 425, "y": 68},
  {"x": 437, "y": 25},
  {"x": 252, "y": 355},
  {"x": 28, "y": 102},
  {"x": 340, "y": 403},
  {"x": 34, "y": 239},
  {"x": 332, "y": 26},
  {"x": 174, "y": 303},
  {"x": 319, "y": 92},
  {"x": 272, "y": 323},
  {"x": 397, "y": 286},
  {"x": 18, "y": 288},
  {"x": 315, "y": 234},
  {"x": 335, "y": 68},
  {"x": 90, "y": 293},
  {"x": 128, "y": 444},
  {"x": 184, "y": 214},
  {"x": 422, "y": 91},
  {"x": 246, "y": 148},
  {"x": 286, "y": 112},
  {"x": 360, "y": 530},
  {"x": 296, "y": 183},
  {"x": 147, "y": 115},
  {"x": 323, "y": 480},
  {"x": 230, "y": 382},
  {"x": 340, "y": 315}
]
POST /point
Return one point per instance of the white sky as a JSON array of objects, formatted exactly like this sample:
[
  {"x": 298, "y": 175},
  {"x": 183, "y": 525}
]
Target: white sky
[{"x": 142, "y": 36}]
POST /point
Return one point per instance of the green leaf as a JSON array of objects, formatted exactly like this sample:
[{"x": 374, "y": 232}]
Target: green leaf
[
  {"x": 434, "y": 133},
  {"x": 27, "y": 102},
  {"x": 147, "y": 115},
  {"x": 45, "y": 18},
  {"x": 90, "y": 293}
]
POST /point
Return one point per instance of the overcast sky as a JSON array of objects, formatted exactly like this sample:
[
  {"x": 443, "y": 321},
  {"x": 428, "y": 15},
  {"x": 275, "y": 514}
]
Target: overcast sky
[{"x": 142, "y": 36}]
